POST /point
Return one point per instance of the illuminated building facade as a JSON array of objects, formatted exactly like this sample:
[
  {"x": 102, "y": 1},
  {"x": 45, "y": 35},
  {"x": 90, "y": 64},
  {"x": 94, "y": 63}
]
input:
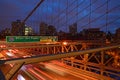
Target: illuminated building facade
[{"x": 28, "y": 31}]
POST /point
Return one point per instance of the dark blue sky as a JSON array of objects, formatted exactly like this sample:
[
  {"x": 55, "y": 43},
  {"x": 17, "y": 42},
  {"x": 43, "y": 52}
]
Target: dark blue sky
[{"x": 62, "y": 13}]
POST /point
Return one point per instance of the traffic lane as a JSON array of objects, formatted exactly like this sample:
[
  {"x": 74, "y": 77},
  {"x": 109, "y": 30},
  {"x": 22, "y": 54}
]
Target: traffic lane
[
  {"x": 30, "y": 71},
  {"x": 72, "y": 70},
  {"x": 21, "y": 74},
  {"x": 57, "y": 73}
]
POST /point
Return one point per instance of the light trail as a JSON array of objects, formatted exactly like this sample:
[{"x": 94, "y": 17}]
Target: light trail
[
  {"x": 35, "y": 74},
  {"x": 43, "y": 73},
  {"x": 20, "y": 77}
]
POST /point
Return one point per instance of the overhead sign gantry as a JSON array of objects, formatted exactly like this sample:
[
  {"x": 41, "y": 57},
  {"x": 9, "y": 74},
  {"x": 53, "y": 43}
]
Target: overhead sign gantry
[{"x": 31, "y": 39}]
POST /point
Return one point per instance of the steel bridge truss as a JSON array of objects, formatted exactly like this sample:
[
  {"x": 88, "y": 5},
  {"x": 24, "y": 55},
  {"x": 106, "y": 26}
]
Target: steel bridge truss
[{"x": 103, "y": 61}]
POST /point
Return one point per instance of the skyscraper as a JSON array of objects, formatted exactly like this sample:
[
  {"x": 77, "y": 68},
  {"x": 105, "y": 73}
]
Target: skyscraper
[
  {"x": 18, "y": 28},
  {"x": 43, "y": 28}
]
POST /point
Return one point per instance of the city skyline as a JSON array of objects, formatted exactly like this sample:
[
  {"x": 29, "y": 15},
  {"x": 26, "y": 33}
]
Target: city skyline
[
  {"x": 60, "y": 14},
  {"x": 60, "y": 39}
]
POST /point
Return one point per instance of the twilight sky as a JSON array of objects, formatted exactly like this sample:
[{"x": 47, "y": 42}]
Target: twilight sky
[{"x": 62, "y": 13}]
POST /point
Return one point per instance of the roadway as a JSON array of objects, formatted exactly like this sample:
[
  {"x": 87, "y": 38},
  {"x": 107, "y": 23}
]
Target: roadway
[
  {"x": 49, "y": 70},
  {"x": 52, "y": 70}
]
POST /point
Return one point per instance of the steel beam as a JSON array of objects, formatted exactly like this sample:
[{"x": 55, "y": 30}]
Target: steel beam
[
  {"x": 13, "y": 71},
  {"x": 57, "y": 56}
]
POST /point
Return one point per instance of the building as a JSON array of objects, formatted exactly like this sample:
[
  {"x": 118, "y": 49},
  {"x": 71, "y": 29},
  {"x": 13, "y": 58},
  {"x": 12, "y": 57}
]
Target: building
[
  {"x": 73, "y": 29},
  {"x": 43, "y": 28},
  {"x": 62, "y": 35},
  {"x": 51, "y": 30},
  {"x": 118, "y": 33},
  {"x": 28, "y": 31},
  {"x": 117, "y": 39},
  {"x": 18, "y": 28},
  {"x": 93, "y": 29},
  {"x": 93, "y": 33},
  {"x": 4, "y": 33}
]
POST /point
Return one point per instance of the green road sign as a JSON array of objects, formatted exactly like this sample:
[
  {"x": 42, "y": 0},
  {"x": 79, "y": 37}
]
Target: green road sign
[{"x": 31, "y": 38}]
